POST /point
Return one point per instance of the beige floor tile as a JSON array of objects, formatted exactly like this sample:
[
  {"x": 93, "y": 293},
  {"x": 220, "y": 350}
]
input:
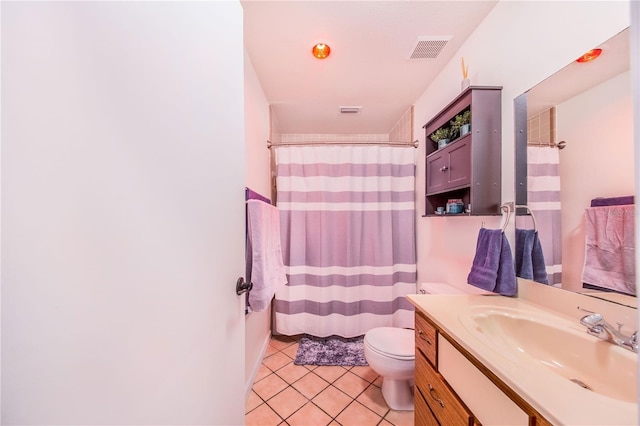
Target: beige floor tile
[
  {"x": 277, "y": 361},
  {"x": 269, "y": 351},
  {"x": 287, "y": 402},
  {"x": 357, "y": 414},
  {"x": 351, "y": 384},
  {"x": 281, "y": 342},
  {"x": 308, "y": 415},
  {"x": 378, "y": 381},
  {"x": 372, "y": 398},
  {"x": 332, "y": 401},
  {"x": 330, "y": 372},
  {"x": 291, "y": 372},
  {"x": 269, "y": 386},
  {"x": 310, "y": 385},
  {"x": 384, "y": 423},
  {"x": 292, "y": 350},
  {"x": 400, "y": 418},
  {"x": 262, "y": 372},
  {"x": 252, "y": 402},
  {"x": 365, "y": 372},
  {"x": 262, "y": 416}
]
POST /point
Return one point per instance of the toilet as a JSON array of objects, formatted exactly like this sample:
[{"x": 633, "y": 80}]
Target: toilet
[{"x": 390, "y": 352}]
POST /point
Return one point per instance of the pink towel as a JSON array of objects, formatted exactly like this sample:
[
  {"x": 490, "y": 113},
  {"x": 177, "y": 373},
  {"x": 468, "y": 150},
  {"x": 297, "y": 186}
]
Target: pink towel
[
  {"x": 267, "y": 269},
  {"x": 609, "y": 259}
]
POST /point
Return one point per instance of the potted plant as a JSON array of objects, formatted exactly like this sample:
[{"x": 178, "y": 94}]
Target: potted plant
[
  {"x": 441, "y": 136},
  {"x": 461, "y": 123}
]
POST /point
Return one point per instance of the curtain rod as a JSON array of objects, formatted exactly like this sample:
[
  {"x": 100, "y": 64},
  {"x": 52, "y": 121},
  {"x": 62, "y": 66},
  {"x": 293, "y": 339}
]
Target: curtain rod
[
  {"x": 559, "y": 145},
  {"x": 415, "y": 143}
]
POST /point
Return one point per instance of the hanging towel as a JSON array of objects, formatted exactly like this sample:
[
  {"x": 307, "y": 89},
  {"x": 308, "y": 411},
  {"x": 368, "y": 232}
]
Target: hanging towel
[
  {"x": 267, "y": 269},
  {"x": 609, "y": 259},
  {"x": 529, "y": 257},
  {"x": 492, "y": 268}
]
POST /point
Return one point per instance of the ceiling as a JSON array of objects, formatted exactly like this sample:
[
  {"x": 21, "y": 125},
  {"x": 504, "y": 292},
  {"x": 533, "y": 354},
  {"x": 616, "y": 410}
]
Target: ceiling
[
  {"x": 369, "y": 66},
  {"x": 576, "y": 78}
]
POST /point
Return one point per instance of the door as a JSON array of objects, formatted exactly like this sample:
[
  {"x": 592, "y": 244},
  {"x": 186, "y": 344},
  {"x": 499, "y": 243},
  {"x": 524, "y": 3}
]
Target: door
[{"x": 122, "y": 213}]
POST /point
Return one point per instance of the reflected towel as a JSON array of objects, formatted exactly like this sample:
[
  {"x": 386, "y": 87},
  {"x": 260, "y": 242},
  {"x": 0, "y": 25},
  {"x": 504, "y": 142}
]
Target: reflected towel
[
  {"x": 492, "y": 268},
  {"x": 529, "y": 257},
  {"x": 267, "y": 269},
  {"x": 609, "y": 259}
]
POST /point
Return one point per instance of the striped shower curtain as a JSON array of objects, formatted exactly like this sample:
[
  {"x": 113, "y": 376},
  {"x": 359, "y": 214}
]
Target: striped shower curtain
[
  {"x": 348, "y": 238},
  {"x": 543, "y": 198}
]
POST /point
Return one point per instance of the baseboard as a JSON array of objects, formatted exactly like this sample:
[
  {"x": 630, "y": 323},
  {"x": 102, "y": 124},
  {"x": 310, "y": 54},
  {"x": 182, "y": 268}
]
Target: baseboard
[{"x": 256, "y": 367}]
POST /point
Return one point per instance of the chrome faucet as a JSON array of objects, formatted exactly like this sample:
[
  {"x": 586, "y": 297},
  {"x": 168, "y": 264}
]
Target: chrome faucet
[{"x": 597, "y": 326}]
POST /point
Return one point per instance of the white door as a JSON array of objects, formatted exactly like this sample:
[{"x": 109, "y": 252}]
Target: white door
[{"x": 122, "y": 213}]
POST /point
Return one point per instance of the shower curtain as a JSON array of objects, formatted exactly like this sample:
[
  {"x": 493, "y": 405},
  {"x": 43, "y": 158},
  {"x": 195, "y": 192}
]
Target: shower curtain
[
  {"x": 543, "y": 198},
  {"x": 348, "y": 238}
]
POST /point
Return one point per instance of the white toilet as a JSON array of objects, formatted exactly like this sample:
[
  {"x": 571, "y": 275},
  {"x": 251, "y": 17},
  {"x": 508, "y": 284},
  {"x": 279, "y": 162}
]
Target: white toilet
[{"x": 390, "y": 352}]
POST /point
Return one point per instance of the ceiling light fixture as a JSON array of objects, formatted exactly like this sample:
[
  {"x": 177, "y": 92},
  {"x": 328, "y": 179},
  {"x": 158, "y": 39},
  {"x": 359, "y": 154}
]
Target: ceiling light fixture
[
  {"x": 321, "y": 50},
  {"x": 589, "y": 56}
]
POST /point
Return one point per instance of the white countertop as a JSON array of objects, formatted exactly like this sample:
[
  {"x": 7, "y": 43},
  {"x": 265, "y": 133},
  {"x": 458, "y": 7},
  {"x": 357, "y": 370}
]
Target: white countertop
[{"x": 556, "y": 398}]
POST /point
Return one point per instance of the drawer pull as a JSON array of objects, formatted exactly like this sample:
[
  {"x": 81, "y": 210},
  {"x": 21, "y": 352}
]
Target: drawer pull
[
  {"x": 444, "y": 168},
  {"x": 431, "y": 392},
  {"x": 424, "y": 337}
]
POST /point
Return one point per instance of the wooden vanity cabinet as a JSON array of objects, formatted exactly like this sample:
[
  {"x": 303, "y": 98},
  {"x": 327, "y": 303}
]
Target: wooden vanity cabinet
[
  {"x": 452, "y": 388},
  {"x": 469, "y": 167}
]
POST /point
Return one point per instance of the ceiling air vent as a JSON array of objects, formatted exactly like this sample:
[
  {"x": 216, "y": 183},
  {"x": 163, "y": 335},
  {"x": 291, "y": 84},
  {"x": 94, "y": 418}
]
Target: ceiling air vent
[
  {"x": 429, "y": 47},
  {"x": 350, "y": 109}
]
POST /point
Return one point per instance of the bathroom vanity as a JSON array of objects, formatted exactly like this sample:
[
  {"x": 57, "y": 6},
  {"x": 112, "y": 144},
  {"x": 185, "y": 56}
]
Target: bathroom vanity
[{"x": 499, "y": 360}]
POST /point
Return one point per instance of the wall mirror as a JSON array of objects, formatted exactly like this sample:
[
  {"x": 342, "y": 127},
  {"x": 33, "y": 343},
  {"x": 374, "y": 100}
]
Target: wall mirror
[{"x": 574, "y": 144}]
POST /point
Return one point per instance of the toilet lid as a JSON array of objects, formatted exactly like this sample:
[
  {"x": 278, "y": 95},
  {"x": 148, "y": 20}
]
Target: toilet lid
[{"x": 393, "y": 342}]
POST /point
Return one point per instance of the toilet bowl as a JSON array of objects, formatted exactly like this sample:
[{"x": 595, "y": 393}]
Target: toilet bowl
[{"x": 390, "y": 352}]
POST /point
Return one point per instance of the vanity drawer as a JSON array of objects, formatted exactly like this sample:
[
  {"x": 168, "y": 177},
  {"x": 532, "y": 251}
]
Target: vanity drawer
[
  {"x": 444, "y": 404},
  {"x": 426, "y": 338},
  {"x": 423, "y": 414}
]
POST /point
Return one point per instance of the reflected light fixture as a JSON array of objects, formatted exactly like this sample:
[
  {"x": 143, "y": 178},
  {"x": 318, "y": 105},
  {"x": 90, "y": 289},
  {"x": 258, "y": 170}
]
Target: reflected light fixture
[
  {"x": 589, "y": 56},
  {"x": 321, "y": 50}
]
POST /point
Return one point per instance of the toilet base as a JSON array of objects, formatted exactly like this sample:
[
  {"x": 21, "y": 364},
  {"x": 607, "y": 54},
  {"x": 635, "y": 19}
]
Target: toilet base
[{"x": 398, "y": 394}]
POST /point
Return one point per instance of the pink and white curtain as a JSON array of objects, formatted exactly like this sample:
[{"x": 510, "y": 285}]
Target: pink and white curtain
[
  {"x": 348, "y": 238},
  {"x": 543, "y": 198}
]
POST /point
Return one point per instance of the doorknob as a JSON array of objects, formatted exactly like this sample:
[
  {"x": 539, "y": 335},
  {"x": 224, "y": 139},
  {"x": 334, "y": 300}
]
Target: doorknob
[{"x": 242, "y": 286}]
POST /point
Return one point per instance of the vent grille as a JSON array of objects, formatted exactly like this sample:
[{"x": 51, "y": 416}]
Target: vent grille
[
  {"x": 350, "y": 109},
  {"x": 429, "y": 47}
]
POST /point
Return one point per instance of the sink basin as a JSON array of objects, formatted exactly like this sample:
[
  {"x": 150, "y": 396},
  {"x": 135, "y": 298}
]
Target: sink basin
[{"x": 554, "y": 344}]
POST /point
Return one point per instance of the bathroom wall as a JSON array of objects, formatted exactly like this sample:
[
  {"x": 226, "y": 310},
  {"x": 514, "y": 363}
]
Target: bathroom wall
[
  {"x": 257, "y": 171},
  {"x": 597, "y": 161},
  {"x": 446, "y": 245}
]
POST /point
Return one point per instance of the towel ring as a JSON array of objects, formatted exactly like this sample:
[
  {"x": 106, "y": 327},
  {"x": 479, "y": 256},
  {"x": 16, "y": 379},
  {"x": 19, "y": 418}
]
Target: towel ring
[
  {"x": 533, "y": 218},
  {"x": 506, "y": 208}
]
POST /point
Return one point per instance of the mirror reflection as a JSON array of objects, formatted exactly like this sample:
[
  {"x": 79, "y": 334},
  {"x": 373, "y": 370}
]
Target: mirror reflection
[{"x": 575, "y": 172}]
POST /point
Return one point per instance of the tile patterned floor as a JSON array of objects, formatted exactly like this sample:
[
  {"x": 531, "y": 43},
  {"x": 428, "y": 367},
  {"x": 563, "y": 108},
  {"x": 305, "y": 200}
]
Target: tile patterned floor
[{"x": 289, "y": 394}]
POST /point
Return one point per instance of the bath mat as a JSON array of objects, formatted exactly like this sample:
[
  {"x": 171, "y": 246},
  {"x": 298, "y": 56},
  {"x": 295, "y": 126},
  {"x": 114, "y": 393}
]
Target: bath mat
[{"x": 333, "y": 350}]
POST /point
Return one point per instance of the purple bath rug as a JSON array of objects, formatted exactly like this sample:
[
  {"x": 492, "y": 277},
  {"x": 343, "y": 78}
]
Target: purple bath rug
[{"x": 333, "y": 350}]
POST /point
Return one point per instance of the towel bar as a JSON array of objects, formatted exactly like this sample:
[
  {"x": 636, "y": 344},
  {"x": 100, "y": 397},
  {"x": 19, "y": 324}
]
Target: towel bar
[{"x": 242, "y": 286}]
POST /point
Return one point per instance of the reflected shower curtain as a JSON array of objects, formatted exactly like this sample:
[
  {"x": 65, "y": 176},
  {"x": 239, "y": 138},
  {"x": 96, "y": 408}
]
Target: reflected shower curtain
[
  {"x": 348, "y": 238},
  {"x": 543, "y": 198}
]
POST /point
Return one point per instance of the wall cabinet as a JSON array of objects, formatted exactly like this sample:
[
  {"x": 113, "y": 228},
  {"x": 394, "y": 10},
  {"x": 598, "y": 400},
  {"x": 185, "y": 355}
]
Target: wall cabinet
[
  {"x": 469, "y": 167},
  {"x": 450, "y": 388}
]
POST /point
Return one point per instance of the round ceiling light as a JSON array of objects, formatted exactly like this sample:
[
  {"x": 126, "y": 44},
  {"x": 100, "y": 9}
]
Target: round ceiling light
[
  {"x": 589, "y": 56},
  {"x": 321, "y": 50}
]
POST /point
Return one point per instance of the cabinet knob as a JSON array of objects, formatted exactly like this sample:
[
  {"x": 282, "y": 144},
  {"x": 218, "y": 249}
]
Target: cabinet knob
[
  {"x": 432, "y": 391},
  {"x": 444, "y": 168},
  {"x": 423, "y": 337}
]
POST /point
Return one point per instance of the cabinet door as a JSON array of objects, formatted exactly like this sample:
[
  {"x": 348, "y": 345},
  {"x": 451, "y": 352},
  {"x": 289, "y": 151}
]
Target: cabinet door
[
  {"x": 459, "y": 167},
  {"x": 437, "y": 165}
]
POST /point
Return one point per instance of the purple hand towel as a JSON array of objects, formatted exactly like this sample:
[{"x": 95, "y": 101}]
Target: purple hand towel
[
  {"x": 529, "y": 257},
  {"x": 492, "y": 268}
]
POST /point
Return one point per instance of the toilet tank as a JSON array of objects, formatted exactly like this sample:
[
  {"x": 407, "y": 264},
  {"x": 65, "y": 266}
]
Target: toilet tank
[{"x": 438, "y": 288}]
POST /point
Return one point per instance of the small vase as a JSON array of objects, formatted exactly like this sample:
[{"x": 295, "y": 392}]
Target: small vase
[
  {"x": 464, "y": 84},
  {"x": 464, "y": 129},
  {"x": 442, "y": 143}
]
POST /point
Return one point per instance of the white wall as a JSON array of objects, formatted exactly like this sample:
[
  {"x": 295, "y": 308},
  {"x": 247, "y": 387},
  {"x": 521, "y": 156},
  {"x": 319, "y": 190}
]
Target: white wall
[
  {"x": 597, "y": 162},
  {"x": 519, "y": 44},
  {"x": 122, "y": 213},
  {"x": 258, "y": 324}
]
